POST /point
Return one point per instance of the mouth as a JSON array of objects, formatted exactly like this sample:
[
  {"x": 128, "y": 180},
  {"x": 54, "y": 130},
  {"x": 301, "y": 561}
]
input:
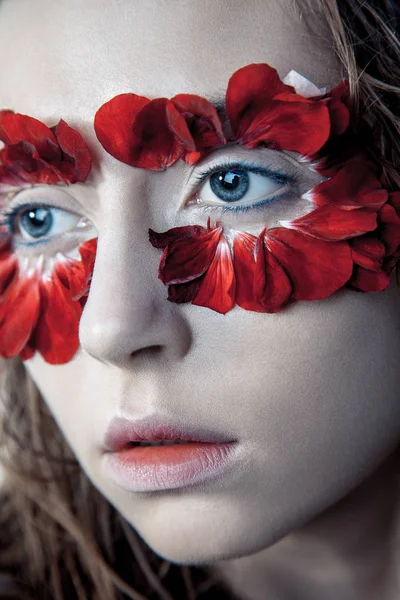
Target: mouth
[{"x": 150, "y": 455}]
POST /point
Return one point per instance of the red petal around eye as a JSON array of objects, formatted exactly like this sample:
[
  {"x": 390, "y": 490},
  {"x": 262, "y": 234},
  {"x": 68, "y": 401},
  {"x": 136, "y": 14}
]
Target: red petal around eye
[
  {"x": 245, "y": 267},
  {"x": 188, "y": 258},
  {"x": 337, "y": 105},
  {"x": 354, "y": 186},
  {"x": 252, "y": 84},
  {"x": 286, "y": 125},
  {"x": 160, "y": 135},
  {"x": 389, "y": 228},
  {"x": 16, "y": 128},
  {"x": 8, "y": 271},
  {"x": 18, "y": 316},
  {"x": 77, "y": 160},
  {"x": 184, "y": 292},
  {"x": 113, "y": 126},
  {"x": 56, "y": 333},
  {"x": 332, "y": 224},
  {"x": 272, "y": 286},
  {"x": 316, "y": 268},
  {"x": 367, "y": 252},
  {"x": 202, "y": 119},
  {"x": 73, "y": 277},
  {"x": 161, "y": 240},
  {"x": 217, "y": 288},
  {"x": 369, "y": 281}
]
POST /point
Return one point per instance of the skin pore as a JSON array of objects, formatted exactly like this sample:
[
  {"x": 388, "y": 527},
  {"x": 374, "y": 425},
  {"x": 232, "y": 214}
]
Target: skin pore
[{"x": 310, "y": 393}]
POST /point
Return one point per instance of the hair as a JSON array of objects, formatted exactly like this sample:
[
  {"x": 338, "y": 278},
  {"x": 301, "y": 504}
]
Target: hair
[{"x": 60, "y": 539}]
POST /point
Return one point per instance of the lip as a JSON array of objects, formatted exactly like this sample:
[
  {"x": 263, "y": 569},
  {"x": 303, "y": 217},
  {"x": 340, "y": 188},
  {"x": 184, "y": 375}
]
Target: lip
[{"x": 154, "y": 468}]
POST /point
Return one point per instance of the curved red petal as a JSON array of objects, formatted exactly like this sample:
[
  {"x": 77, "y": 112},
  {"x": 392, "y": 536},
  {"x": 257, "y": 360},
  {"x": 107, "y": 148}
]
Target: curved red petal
[
  {"x": 354, "y": 186},
  {"x": 8, "y": 271},
  {"x": 16, "y": 128},
  {"x": 245, "y": 269},
  {"x": 368, "y": 252},
  {"x": 184, "y": 292},
  {"x": 286, "y": 125},
  {"x": 217, "y": 288},
  {"x": 389, "y": 227},
  {"x": 188, "y": 258},
  {"x": 333, "y": 224},
  {"x": 18, "y": 316},
  {"x": 315, "y": 267},
  {"x": 272, "y": 286},
  {"x": 256, "y": 83},
  {"x": 77, "y": 161},
  {"x": 56, "y": 332},
  {"x": 203, "y": 121},
  {"x": 160, "y": 135},
  {"x": 338, "y": 101},
  {"x": 113, "y": 126},
  {"x": 369, "y": 281},
  {"x": 161, "y": 240},
  {"x": 87, "y": 250}
]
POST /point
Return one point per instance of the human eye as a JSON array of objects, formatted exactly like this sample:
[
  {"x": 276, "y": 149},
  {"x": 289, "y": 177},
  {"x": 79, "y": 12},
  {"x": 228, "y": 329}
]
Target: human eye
[
  {"x": 37, "y": 221},
  {"x": 240, "y": 187}
]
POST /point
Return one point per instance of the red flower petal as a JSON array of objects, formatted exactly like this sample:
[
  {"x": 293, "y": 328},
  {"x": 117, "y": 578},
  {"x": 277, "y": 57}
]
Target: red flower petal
[
  {"x": 369, "y": 281},
  {"x": 217, "y": 288},
  {"x": 56, "y": 333},
  {"x": 272, "y": 286},
  {"x": 332, "y": 224},
  {"x": 77, "y": 161},
  {"x": 203, "y": 122},
  {"x": 16, "y": 128},
  {"x": 188, "y": 258},
  {"x": 389, "y": 227},
  {"x": 298, "y": 126},
  {"x": 250, "y": 85},
  {"x": 184, "y": 292},
  {"x": 367, "y": 252},
  {"x": 161, "y": 240},
  {"x": 354, "y": 186},
  {"x": 113, "y": 126},
  {"x": 19, "y": 311},
  {"x": 338, "y": 101},
  {"x": 316, "y": 268},
  {"x": 245, "y": 265}
]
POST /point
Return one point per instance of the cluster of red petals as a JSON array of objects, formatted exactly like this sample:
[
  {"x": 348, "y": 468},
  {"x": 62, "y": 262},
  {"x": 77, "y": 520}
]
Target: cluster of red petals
[
  {"x": 41, "y": 312},
  {"x": 34, "y": 153},
  {"x": 262, "y": 110},
  {"x": 351, "y": 238}
]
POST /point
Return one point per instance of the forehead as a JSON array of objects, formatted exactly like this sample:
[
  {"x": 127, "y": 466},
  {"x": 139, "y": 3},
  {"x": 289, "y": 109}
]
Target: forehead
[{"x": 67, "y": 57}]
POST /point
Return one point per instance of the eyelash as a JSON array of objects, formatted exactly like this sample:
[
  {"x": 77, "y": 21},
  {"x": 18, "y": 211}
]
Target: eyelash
[{"x": 248, "y": 167}]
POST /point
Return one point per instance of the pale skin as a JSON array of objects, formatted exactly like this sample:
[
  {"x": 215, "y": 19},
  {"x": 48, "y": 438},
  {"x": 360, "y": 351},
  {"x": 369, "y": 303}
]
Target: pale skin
[{"x": 311, "y": 393}]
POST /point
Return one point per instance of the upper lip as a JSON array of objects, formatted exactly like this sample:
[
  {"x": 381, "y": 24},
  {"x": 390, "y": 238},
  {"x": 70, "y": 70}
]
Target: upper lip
[{"x": 122, "y": 432}]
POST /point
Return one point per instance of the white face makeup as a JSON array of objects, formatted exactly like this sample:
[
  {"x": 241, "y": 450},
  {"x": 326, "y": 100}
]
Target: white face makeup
[{"x": 310, "y": 393}]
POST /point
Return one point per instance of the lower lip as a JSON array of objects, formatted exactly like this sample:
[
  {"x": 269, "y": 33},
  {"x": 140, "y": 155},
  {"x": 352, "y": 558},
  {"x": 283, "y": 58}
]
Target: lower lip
[{"x": 154, "y": 468}]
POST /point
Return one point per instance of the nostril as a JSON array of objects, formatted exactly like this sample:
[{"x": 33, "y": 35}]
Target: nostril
[{"x": 150, "y": 351}]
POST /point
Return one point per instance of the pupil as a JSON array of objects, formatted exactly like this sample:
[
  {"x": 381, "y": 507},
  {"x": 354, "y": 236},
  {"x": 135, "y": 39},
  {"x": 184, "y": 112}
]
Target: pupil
[
  {"x": 230, "y": 185},
  {"x": 37, "y": 221}
]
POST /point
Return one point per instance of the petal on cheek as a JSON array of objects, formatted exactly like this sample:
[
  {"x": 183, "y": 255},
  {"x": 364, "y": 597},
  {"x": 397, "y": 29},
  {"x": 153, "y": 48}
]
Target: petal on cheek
[
  {"x": 188, "y": 258},
  {"x": 56, "y": 334},
  {"x": 332, "y": 224},
  {"x": 217, "y": 289},
  {"x": 316, "y": 268},
  {"x": 19, "y": 311},
  {"x": 272, "y": 286}
]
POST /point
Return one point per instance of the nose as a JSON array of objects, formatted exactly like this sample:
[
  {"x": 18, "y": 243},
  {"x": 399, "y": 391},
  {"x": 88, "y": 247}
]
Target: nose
[{"x": 127, "y": 313}]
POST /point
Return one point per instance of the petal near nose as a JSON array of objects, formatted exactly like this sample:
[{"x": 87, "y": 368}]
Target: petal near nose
[{"x": 127, "y": 313}]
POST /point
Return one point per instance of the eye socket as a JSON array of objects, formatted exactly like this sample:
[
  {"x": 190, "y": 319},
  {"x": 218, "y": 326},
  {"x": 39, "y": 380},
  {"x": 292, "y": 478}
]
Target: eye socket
[
  {"x": 34, "y": 223},
  {"x": 238, "y": 185}
]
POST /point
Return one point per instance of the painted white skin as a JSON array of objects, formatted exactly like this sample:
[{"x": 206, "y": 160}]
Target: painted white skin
[{"x": 311, "y": 393}]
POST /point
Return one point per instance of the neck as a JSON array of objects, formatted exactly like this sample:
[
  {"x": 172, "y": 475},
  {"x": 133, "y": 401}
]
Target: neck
[{"x": 349, "y": 551}]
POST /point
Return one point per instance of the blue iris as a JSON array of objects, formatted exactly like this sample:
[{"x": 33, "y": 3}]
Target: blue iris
[
  {"x": 231, "y": 185},
  {"x": 37, "y": 222}
]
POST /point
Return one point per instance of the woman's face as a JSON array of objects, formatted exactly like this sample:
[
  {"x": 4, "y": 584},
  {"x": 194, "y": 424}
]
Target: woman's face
[{"x": 310, "y": 394}]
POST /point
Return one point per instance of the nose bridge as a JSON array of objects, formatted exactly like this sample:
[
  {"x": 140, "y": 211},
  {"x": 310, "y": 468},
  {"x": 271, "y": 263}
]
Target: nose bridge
[{"x": 127, "y": 310}]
